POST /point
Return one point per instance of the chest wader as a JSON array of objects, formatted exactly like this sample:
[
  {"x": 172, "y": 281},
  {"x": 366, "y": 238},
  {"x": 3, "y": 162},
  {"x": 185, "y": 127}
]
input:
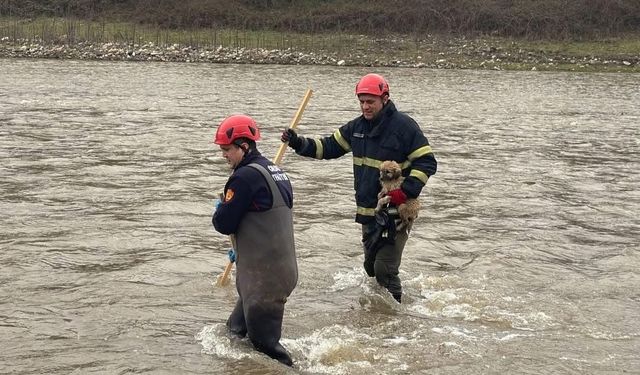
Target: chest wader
[{"x": 266, "y": 274}]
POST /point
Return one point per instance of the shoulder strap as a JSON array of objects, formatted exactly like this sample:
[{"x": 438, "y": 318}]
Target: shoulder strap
[{"x": 275, "y": 191}]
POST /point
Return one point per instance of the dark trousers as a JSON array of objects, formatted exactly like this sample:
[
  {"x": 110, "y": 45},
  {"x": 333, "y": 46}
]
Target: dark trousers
[
  {"x": 262, "y": 321},
  {"x": 384, "y": 263}
]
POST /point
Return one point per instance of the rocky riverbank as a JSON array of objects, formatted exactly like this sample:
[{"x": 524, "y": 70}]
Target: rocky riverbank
[{"x": 449, "y": 54}]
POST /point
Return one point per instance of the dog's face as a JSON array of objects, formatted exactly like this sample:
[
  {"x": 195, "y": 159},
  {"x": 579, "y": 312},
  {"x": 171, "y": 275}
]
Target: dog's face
[{"x": 390, "y": 171}]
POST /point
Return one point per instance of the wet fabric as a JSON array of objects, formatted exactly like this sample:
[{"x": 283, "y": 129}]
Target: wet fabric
[
  {"x": 383, "y": 231},
  {"x": 267, "y": 273},
  {"x": 384, "y": 262}
]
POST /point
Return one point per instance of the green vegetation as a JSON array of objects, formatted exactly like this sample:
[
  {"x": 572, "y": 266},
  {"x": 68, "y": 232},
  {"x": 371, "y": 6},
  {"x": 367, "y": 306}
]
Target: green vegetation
[
  {"x": 585, "y": 35},
  {"x": 61, "y": 30},
  {"x": 628, "y": 45},
  {"x": 535, "y": 19}
]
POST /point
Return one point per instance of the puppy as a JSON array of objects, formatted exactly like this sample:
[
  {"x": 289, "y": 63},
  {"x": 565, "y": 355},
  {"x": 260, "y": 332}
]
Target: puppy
[{"x": 391, "y": 179}]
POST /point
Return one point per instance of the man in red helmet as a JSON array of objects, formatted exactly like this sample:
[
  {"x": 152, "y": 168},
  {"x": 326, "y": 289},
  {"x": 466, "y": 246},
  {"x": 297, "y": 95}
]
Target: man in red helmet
[
  {"x": 381, "y": 133},
  {"x": 256, "y": 209}
]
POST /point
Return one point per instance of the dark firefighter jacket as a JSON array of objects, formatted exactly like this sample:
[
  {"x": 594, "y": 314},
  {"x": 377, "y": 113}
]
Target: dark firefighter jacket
[
  {"x": 247, "y": 191},
  {"x": 392, "y": 135}
]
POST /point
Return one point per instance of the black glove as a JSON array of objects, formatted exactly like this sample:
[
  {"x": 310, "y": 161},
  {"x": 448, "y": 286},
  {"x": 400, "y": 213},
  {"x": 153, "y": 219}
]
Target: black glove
[
  {"x": 384, "y": 232},
  {"x": 295, "y": 142}
]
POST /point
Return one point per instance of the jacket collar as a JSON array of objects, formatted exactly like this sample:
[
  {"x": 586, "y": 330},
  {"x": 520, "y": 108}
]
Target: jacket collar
[
  {"x": 378, "y": 122},
  {"x": 249, "y": 158}
]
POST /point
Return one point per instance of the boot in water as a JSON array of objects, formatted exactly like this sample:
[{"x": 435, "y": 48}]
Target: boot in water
[{"x": 277, "y": 352}]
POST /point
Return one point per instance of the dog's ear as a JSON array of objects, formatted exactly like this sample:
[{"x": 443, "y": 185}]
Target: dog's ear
[{"x": 397, "y": 171}]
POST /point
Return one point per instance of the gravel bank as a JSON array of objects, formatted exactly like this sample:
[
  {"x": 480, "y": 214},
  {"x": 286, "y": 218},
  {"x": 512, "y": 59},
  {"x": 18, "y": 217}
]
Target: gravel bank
[{"x": 452, "y": 54}]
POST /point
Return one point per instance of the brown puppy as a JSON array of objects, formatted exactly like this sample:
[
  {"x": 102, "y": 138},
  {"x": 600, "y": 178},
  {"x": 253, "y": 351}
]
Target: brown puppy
[{"x": 391, "y": 179}]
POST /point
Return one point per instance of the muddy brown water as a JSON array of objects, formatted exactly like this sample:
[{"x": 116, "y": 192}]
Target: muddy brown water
[{"x": 524, "y": 259}]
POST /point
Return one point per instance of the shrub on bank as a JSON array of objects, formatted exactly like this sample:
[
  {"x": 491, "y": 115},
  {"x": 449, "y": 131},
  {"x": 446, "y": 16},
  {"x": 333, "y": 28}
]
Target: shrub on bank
[{"x": 551, "y": 19}]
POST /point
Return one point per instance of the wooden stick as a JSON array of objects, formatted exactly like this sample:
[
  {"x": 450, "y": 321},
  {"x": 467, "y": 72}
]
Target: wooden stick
[
  {"x": 225, "y": 277},
  {"x": 294, "y": 124}
]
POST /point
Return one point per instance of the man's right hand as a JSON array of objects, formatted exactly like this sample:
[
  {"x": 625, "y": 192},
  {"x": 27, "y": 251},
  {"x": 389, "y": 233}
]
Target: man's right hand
[
  {"x": 216, "y": 203},
  {"x": 290, "y": 136}
]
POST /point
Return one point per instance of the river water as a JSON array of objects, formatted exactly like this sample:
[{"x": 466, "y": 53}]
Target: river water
[{"x": 524, "y": 259}]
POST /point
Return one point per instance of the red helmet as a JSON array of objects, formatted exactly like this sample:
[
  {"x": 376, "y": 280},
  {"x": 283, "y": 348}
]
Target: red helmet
[
  {"x": 234, "y": 127},
  {"x": 373, "y": 84}
]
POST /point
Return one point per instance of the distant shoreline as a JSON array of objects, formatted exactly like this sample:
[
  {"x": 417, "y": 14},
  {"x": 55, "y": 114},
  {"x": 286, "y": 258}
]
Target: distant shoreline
[{"x": 454, "y": 53}]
